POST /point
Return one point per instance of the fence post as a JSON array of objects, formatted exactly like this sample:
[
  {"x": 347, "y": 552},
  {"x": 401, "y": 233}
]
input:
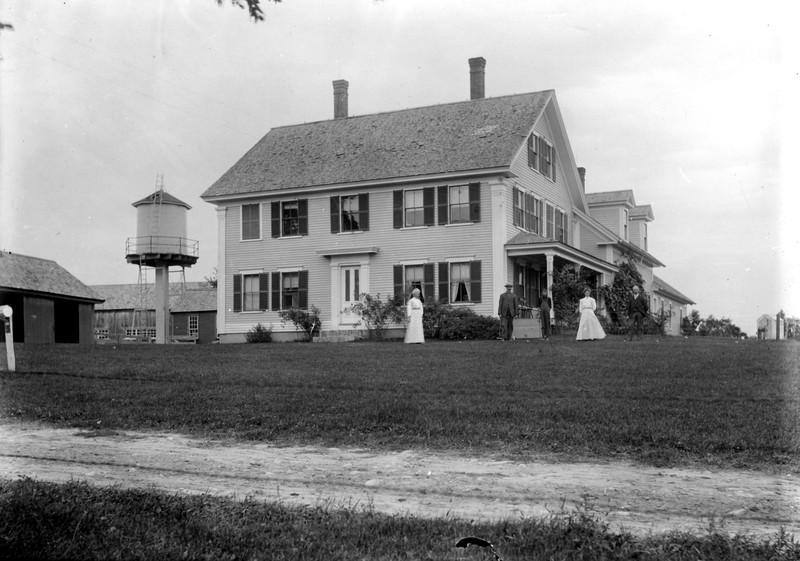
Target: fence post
[{"x": 8, "y": 326}]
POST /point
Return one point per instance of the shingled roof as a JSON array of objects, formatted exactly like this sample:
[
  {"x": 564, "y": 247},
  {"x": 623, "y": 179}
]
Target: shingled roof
[
  {"x": 32, "y": 274},
  {"x": 610, "y": 197},
  {"x": 455, "y": 137},
  {"x": 183, "y": 297}
]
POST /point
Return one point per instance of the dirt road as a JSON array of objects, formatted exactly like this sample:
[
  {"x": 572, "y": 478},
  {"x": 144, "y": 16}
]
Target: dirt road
[{"x": 635, "y": 498}]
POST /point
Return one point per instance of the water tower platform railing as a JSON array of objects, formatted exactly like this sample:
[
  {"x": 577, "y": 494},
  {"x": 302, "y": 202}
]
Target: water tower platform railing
[{"x": 156, "y": 251}]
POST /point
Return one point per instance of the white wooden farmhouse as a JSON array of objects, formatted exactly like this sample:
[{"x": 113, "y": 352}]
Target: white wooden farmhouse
[{"x": 457, "y": 199}]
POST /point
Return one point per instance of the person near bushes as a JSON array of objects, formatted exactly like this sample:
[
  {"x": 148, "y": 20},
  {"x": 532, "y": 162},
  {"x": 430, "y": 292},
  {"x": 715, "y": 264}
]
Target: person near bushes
[
  {"x": 589, "y": 327},
  {"x": 637, "y": 311},
  {"x": 507, "y": 310},
  {"x": 545, "y": 304},
  {"x": 414, "y": 331}
]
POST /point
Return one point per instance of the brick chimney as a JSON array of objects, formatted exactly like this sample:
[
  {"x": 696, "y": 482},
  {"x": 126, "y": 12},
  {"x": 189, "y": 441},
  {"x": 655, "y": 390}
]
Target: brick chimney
[
  {"x": 582, "y": 174},
  {"x": 340, "y": 99},
  {"x": 477, "y": 75}
]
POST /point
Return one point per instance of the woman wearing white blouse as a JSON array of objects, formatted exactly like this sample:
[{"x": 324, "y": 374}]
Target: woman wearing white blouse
[
  {"x": 589, "y": 327},
  {"x": 414, "y": 331}
]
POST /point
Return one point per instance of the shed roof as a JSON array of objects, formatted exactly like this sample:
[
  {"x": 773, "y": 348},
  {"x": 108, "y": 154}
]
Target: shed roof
[
  {"x": 661, "y": 286},
  {"x": 455, "y": 137},
  {"x": 33, "y": 274},
  {"x": 184, "y": 297}
]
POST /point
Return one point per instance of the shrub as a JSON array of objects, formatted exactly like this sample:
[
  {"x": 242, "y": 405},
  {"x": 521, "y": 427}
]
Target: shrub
[
  {"x": 306, "y": 321},
  {"x": 440, "y": 320},
  {"x": 377, "y": 314},
  {"x": 259, "y": 334}
]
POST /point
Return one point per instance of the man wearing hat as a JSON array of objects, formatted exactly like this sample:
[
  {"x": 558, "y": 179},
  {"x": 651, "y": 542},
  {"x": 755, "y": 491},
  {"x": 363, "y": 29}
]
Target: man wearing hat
[{"x": 507, "y": 310}]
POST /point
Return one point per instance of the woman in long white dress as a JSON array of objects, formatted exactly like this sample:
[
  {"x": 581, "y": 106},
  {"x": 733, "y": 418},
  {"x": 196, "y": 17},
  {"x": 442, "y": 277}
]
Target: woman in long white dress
[
  {"x": 589, "y": 327},
  {"x": 414, "y": 332}
]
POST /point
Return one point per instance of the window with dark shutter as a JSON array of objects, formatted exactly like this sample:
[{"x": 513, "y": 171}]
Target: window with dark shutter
[
  {"x": 275, "y": 216},
  {"x": 443, "y": 204},
  {"x": 263, "y": 294},
  {"x": 397, "y": 208},
  {"x": 335, "y": 215},
  {"x": 302, "y": 216},
  {"x": 444, "y": 281},
  {"x": 237, "y": 293}
]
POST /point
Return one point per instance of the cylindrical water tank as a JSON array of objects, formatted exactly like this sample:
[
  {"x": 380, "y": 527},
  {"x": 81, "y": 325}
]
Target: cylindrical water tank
[{"x": 161, "y": 225}]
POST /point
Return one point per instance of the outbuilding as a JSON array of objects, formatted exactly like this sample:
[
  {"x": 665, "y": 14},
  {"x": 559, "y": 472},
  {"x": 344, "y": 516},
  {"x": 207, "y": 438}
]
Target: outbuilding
[{"x": 50, "y": 305}]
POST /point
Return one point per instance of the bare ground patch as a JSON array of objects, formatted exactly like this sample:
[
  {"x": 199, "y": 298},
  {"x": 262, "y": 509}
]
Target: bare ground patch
[{"x": 635, "y": 498}]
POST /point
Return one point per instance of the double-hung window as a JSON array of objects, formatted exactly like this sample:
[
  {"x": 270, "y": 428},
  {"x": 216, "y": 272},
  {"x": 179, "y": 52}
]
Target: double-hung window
[
  {"x": 414, "y": 208},
  {"x": 625, "y": 220},
  {"x": 194, "y": 325},
  {"x": 251, "y": 222},
  {"x": 459, "y": 204},
  {"x": 460, "y": 281},
  {"x": 350, "y": 213},
  {"x": 290, "y": 218},
  {"x": 409, "y": 277},
  {"x": 542, "y": 156},
  {"x": 551, "y": 221},
  {"x": 250, "y": 291},
  {"x": 561, "y": 226},
  {"x": 290, "y": 290}
]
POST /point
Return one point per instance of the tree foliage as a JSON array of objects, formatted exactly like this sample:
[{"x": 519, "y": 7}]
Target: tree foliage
[
  {"x": 253, "y": 6},
  {"x": 617, "y": 293},
  {"x": 566, "y": 293}
]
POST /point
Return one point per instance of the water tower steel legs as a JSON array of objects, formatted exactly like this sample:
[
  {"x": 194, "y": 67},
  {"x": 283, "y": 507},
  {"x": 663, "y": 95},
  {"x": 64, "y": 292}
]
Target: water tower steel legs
[{"x": 162, "y": 304}]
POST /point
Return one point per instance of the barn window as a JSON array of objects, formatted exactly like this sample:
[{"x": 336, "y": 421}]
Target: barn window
[{"x": 194, "y": 326}]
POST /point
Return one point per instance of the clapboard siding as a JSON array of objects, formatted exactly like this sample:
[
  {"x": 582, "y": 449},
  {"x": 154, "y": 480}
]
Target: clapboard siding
[{"x": 431, "y": 244}]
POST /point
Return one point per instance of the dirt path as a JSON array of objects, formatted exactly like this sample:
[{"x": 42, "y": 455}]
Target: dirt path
[{"x": 635, "y": 498}]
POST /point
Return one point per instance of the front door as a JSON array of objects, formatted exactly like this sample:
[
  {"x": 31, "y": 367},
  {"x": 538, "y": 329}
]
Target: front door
[{"x": 350, "y": 286}]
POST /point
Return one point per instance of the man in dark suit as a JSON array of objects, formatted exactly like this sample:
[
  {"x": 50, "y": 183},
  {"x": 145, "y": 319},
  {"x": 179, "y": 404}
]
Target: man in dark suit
[
  {"x": 544, "y": 313},
  {"x": 637, "y": 311},
  {"x": 507, "y": 310}
]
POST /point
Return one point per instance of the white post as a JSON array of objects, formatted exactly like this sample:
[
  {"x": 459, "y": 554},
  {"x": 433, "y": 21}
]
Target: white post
[
  {"x": 162, "y": 304},
  {"x": 550, "y": 257},
  {"x": 5, "y": 315}
]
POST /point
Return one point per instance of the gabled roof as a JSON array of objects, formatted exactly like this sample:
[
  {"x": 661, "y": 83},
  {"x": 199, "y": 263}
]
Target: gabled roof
[
  {"x": 624, "y": 197},
  {"x": 642, "y": 212},
  {"x": 162, "y": 197},
  {"x": 662, "y": 287},
  {"x": 32, "y": 274},
  {"x": 441, "y": 139},
  {"x": 188, "y": 297},
  {"x": 614, "y": 239}
]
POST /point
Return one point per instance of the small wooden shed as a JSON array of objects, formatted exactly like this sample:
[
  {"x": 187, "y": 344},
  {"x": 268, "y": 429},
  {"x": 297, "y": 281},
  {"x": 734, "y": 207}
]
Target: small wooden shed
[{"x": 50, "y": 305}]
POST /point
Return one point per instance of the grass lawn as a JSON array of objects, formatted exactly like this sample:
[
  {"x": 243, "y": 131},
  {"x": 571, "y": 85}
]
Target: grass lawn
[
  {"x": 666, "y": 401},
  {"x": 670, "y": 401}
]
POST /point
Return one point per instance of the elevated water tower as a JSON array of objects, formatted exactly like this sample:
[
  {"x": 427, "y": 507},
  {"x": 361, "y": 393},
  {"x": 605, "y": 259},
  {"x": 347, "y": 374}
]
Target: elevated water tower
[{"x": 161, "y": 243}]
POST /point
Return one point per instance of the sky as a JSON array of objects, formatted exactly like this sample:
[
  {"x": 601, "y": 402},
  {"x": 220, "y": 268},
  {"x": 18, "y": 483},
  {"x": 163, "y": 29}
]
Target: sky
[{"x": 690, "y": 106}]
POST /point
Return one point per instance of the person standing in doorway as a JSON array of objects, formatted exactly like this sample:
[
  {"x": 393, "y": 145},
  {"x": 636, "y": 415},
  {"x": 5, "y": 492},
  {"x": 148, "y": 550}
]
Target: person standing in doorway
[
  {"x": 545, "y": 304},
  {"x": 637, "y": 310},
  {"x": 507, "y": 310}
]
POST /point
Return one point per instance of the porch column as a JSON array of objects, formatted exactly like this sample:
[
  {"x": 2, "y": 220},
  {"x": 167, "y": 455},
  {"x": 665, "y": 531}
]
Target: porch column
[{"x": 549, "y": 255}]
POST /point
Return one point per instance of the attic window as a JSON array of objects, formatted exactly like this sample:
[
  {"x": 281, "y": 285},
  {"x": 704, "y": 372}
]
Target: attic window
[{"x": 542, "y": 156}]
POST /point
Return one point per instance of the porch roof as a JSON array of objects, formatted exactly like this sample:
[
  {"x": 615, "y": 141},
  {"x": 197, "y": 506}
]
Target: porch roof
[{"x": 528, "y": 244}]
